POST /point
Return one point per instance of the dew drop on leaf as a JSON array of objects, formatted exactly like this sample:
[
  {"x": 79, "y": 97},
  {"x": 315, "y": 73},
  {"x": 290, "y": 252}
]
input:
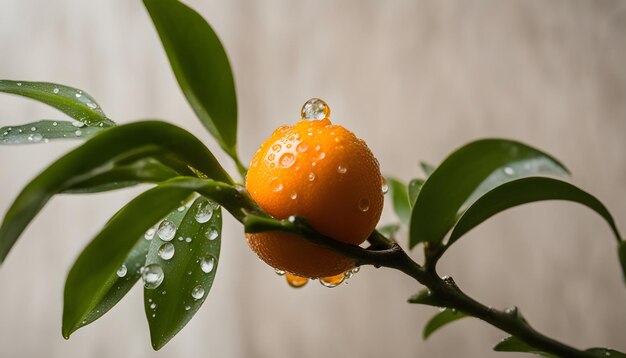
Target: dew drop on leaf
[
  {"x": 152, "y": 276},
  {"x": 207, "y": 264},
  {"x": 166, "y": 230},
  {"x": 197, "y": 292},
  {"x": 166, "y": 251},
  {"x": 121, "y": 272}
]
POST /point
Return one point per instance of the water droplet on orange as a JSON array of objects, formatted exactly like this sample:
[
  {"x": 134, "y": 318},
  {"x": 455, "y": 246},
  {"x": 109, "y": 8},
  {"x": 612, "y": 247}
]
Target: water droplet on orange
[
  {"x": 332, "y": 281},
  {"x": 315, "y": 108},
  {"x": 296, "y": 281},
  {"x": 276, "y": 185},
  {"x": 364, "y": 204},
  {"x": 286, "y": 160}
]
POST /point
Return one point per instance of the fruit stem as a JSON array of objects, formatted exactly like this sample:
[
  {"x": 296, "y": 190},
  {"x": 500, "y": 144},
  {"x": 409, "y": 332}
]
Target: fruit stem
[{"x": 386, "y": 253}]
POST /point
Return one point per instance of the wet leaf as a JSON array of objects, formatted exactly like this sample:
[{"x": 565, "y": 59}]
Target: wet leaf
[
  {"x": 441, "y": 319},
  {"x": 188, "y": 273},
  {"x": 74, "y": 102},
  {"x": 44, "y": 131},
  {"x": 465, "y": 175}
]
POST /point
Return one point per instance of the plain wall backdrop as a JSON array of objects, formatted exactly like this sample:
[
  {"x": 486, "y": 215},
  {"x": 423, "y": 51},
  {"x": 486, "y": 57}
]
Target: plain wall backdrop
[{"x": 415, "y": 79}]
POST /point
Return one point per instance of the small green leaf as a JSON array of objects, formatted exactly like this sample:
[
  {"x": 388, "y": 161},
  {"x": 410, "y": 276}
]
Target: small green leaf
[
  {"x": 523, "y": 191},
  {"x": 389, "y": 230},
  {"x": 441, "y": 319},
  {"x": 96, "y": 156},
  {"x": 95, "y": 271},
  {"x": 123, "y": 175},
  {"x": 427, "y": 168},
  {"x": 415, "y": 186},
  {"x": 465, "y": 175},
  {"x": 400, "y": 197},
  {"x": 425, "y": 297},
  {"x": 201, "y": 66},
  {"x": 71, "y": 101},
  {"x": 606, "y": 352},
  {"x": 188, "y": 274},
  {"x": 622, "y": 256},
  {"x": 44, "y": 131},
  {"x": 126, "y": 277},
  {"x": 514, "y": 344}
]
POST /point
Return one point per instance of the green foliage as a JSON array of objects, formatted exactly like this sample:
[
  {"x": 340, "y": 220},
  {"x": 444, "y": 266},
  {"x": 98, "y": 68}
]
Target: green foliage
[
  {"x": 474, "y": 183},
  {"x": 189, "y": 273},
  {"x": 441, "y": 319}
]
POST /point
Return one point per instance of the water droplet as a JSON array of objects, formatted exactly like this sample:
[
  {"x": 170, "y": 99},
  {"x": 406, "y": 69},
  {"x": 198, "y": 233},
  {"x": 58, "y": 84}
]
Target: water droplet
[
  {"x": 197, "y": 292},
  {"x": 180, "y": 238},
  {"x": 292, "y": 218},
  {"x": 276, "y": 185},
  {"x": 153, "y": 305},
  {"x": 321, "y": 156},
  {"x": 78, "y": 95},
  {"x": 509, "y": 171},
  {"x": 55, "y": 90},
  {"x": 54, "y": 124},
  {"x": 204, "y": 212},
  {"x": 294, "y": 196},
  {"x": 384, "y": 186},
  {"x": 33, "y": 129},
  {"x": 212, "y": 234},
  {"x": 187, "y": 308},
  {"x": 78, "y": 124},
  {"x": 311, "y": 176},
  {"x": 315, "y": 108},
  {"x": 207, "y": 263},
  {"x": 181, "y": 209},
  {"x": 35, "y": 137},
  {"x": 286, "y": 160},
  {"x": 78, "y": 133},
  {"x": 166, "y": 230},
  {"x": 296, "y": 281},
  {"x": 302, "y": 147},
  {"x": 166, "y": 251},
  {"x": 152, "y": 276},
  {"x": 332, "y": 281},
  {"x": 341, "y": 169},
  {"x": 121, "y": 272},
  {"x": 187, "y": 239},
  {"x": 364, "y": 204},
  {"x": 280, "y": 272},
  {"x": 92, "y": 105},
  {"x": 276, "y": 147},
  {"x": 19, "y": 83}
]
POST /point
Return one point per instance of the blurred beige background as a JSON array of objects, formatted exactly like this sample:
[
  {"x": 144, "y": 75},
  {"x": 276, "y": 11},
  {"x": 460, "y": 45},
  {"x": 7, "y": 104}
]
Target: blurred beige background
[{"x": 415, "y": 79}]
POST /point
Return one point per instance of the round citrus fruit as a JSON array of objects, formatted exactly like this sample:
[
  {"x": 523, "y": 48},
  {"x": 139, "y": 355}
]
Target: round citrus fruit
[{"x": 323, "y": 173}]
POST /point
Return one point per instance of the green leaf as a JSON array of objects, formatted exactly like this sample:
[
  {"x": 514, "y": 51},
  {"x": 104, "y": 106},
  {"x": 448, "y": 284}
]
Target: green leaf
[
  {"x": 424, "y": 297},
  {"x": 465, "y": 175},
  {"x": 427, "y": 168},
  {"x": 188, "y": 274},
  {"x": 123, "y": 175},
  {"x": 441, "y": 319},
  {"x": 622, "y": 256},
  {"x": 415, "y": 186},
  {"x": 44, "y": 131},
  {"x": 126, "y": 277},
  {"x": 71, "y": 101},
  {"x": 514, "y": 344},
  {"x": 95, "y": 271},
  {"x": 523, "y": 191},
  {"x": 606, "y": 352},
  {"x": 201, "y": 67},
  {"x": 95, "y": 157},
  {"x": 400, "y": 197}
]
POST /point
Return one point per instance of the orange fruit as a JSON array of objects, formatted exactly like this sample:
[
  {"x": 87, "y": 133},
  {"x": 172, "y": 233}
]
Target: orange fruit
[{"x": 325, "y": 174}]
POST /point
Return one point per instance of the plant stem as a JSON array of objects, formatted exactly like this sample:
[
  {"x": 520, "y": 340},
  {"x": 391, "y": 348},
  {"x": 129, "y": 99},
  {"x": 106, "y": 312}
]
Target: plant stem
[{"x": 444, "y": 291}]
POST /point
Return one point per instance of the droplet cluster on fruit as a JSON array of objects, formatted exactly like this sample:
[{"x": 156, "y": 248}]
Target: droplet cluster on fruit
[{"x": 324, "y": 173}]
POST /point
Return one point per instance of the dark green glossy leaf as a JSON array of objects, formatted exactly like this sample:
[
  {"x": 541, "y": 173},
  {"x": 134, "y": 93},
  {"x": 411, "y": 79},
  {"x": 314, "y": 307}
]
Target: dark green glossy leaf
[
  {"x": 201, "y": 66},
  {"x": 188, "y": 274},
  {"x": 441, "y": 319},
  {"x": 389, "y": 230},
  {"x": 123, "y": 175},
  {"x": 95, "y": 270},
  {"x": 465, "y": 175},
  {"x": 427, "y": 168},
  {"x": 44, "y": 131},
  {"x": 126, "y": 277},
  {"x": 424, "y": 297},
  {"x": 622, "y": 256},
  {"x": 606, "y": 352},
  {"x": 514, "y": 344},
  {"x": 95, "y": 157},
  {"x": 523, "y": 191},
  {"x": 400, "y": 197},
  {"x": 71, "y": 101},
  {"x": 415, "y": 186}
]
